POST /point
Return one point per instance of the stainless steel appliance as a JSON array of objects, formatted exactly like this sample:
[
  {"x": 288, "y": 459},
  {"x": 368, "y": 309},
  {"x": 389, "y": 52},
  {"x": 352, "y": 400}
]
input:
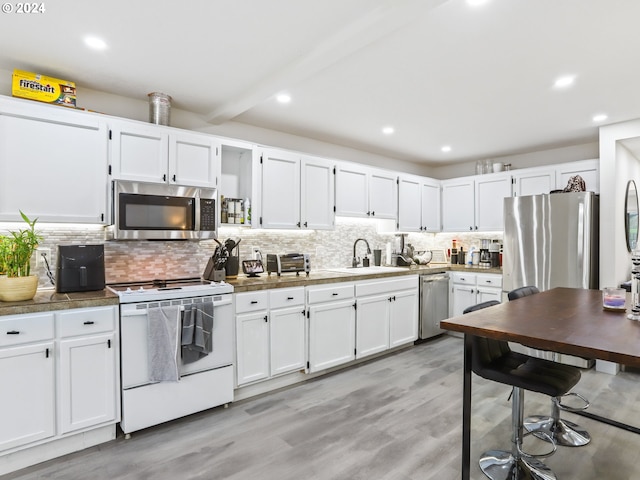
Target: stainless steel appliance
[
  {"x": 434, "y": 303},
  {"x": 551, "y": 241},
  {"x": 203, "y": 384},
  {"x": 149, "y": 211},
  {"x": 288, "y": 263},
  {"x": 80, "y": 268}
]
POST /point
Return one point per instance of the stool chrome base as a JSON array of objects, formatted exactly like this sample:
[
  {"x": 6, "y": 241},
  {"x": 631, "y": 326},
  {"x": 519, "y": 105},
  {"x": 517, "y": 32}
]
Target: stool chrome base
[
  {"x": 502, "y": 465},
  {"x": 563, "y": 432}
]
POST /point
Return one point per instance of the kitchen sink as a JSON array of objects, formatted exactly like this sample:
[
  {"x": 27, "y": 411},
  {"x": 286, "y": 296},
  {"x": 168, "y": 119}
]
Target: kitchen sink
[{"x": 367, "y": 270}]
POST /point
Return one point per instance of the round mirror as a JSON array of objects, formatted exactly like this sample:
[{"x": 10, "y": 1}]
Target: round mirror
[{"x": 631, "y": 215}]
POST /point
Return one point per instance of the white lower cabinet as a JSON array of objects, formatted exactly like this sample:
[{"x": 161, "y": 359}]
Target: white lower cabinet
[
  {"x": 332, "y": 325},
  {"x": 387, "y": 314},
  {"x": 61, "y": 371},
  {"x": 27, "y": 406},
  {"x": 270, "y": 333},
  {"x": 469, "y": 289},
  {"x": 372, "y": 324}
]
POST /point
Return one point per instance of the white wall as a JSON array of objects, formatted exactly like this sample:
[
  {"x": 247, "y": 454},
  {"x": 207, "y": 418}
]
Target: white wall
[
  {"x": 618, "y": 165},
  {"x": 138, "y": 109},
  {"x": 538, "y": 158}
]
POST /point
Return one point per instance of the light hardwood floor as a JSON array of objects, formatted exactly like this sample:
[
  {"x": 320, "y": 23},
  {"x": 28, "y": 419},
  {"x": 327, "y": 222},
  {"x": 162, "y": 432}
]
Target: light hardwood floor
[{"x": 397, "y": 417}]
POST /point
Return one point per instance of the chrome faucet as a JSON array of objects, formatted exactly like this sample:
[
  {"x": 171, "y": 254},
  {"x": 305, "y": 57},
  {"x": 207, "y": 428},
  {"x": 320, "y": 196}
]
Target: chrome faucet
[{"x": 356, "y": 260}]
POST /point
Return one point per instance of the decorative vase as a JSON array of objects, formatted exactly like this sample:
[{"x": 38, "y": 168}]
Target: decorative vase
[{"x": 16, "y": 289}]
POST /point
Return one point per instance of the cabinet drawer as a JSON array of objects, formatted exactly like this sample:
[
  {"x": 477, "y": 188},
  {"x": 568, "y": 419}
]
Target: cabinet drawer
[
  {"x": 17, "y": 329},
  {"x": 339, "y": 291},
  {"x": 286, "y": 297},
  {"x": 85, "y": 321},
  {"x": 252, "y": 301},
  {"x": 374, "y": 287},
  {"x": 487, "y": 280},
  {"x": 464, "y": 278}
]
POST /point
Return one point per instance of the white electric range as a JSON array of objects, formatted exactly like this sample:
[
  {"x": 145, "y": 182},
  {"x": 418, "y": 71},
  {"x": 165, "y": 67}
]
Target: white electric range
[{"x": 203, "y": 384}]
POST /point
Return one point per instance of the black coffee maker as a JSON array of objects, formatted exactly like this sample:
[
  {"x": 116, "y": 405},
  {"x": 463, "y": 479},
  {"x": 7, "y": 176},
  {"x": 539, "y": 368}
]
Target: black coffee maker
[
  {"x": 485, "y": 258},
  {"x": 80, "y": 268},
  {"x": 494, "y": 254}
]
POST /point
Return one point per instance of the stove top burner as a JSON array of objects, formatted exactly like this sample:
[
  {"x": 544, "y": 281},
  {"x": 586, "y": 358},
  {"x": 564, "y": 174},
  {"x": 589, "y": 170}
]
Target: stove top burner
[{"x": 160, "y": 289}]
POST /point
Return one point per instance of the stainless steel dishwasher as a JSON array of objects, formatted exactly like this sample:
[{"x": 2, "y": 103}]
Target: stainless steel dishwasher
[{"x": 434, "y": 303}]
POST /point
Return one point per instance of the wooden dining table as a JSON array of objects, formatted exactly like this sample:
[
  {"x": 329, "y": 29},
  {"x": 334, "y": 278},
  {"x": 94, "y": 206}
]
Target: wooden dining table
[{"x": 563, "y": 320}]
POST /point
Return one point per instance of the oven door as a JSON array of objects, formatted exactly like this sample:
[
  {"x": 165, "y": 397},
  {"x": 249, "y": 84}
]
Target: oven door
[{"x": 134, "y": 334}]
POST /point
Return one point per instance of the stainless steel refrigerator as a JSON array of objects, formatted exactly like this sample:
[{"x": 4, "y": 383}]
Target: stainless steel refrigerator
[{"x": 551, "y": 241}]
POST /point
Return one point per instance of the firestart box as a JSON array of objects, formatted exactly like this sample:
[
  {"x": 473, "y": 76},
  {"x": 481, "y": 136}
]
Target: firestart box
[{"x": 43, "y": 89}]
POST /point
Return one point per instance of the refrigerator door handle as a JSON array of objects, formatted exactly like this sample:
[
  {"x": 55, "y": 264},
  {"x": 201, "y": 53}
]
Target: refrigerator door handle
[{"x": 581, "y": 246}]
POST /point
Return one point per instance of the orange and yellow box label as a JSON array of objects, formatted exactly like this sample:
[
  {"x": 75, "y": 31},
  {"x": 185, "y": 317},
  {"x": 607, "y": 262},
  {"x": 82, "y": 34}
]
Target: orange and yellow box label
[{"x": 43, "y": 89}]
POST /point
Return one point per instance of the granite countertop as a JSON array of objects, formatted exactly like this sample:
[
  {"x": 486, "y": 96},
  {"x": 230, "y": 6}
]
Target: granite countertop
[
  {"x": 317, "y": 277},
  {"x": 47, "y": 300}
]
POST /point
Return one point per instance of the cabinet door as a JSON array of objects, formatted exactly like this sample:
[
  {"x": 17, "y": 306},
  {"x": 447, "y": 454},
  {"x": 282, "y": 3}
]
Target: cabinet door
[
  {"x": 317, "y": 200},
  {"x": 372, "y": 325},
  {"x": 139, "y": 152},
  {"x": 409, "y": 216},
  {"x": 458, "y": 206},
  {"x": 403, "y": 318},
  {"x": 430, "y": 201},
  {"x": 463, "y": 296},
  {"x": 383, "y": 194},
  {"x": 352, "y": 190},
  {"x": 485, "y": 294},
  {"x": 252, "y": 337},
  {"x": 587, "y": 169},
  {"x": 194, "y": 160},
  {"x": 88, "y": 389},
  {"x": 490, "y": 193},
  {"x": 27, "y": 403},
  {"x": 534, "y": 182},
  {"x": 53, "y": 164},
  {"x": 280, "y": 189},
  {"x": 287, "y": 339},
  {"x": 332, "y": 330}
]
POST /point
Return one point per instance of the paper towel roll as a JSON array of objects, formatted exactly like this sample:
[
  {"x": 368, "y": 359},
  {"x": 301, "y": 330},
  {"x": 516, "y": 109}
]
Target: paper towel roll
[{"x": 387, "y": 259}]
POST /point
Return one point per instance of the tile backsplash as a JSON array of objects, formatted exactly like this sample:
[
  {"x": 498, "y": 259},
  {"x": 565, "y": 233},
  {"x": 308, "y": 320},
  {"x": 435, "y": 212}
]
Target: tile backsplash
[{"x": 143, "y": 260}]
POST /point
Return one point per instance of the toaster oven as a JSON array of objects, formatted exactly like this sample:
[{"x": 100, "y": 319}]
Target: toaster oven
[{"x": 288, "y": 263}]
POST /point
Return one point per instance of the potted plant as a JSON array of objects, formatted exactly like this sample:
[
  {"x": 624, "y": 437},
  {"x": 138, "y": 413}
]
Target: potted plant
[{"x": 16, "y": 250}]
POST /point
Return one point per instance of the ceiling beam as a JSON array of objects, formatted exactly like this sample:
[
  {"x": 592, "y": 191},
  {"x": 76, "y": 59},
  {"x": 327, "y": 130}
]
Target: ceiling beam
[{"x": 388, "y": 17}]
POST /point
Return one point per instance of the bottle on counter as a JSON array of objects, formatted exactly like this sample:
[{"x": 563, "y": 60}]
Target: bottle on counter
[{"x": 223, "y": 210}]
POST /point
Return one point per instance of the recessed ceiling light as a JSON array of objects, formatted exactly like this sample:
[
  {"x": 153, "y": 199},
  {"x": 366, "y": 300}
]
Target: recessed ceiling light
[
  {"x": 283, "y": 98},
  {"x": 600, "y": 117},
  {"x": 564, "y": 81},
  {"x": 95, "y": 43},
  {"x": 446, "y": 148},
  {"x": 476, "y": 3},
  {"x": 388, "y": 130}
]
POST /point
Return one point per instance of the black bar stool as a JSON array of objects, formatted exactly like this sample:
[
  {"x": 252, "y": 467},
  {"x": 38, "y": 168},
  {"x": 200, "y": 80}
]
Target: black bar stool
[
  {"x": 563, "y": 432},
  {"x": 494, "y": 360}
]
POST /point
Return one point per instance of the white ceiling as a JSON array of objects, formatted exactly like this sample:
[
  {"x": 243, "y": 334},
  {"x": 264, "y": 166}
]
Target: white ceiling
[{"x": 441, "y": 72}]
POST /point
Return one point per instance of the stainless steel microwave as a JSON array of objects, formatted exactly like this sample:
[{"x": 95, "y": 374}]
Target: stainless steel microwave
[{"x": 149, "y": 211}]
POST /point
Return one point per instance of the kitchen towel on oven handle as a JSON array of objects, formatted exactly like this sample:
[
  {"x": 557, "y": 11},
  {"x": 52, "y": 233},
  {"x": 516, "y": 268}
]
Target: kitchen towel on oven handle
[
  {"x": 197, "y": 326},
  {"x": 162, "y": 343}
]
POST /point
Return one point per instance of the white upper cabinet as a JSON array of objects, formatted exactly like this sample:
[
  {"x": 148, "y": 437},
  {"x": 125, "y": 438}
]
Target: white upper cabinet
[
  {"x": 430, "y": 199},
  {"x": 193, "y": 159},
  {"x": 490, "y": 192},
  {"x": 151, "y": 153},
  {"x": 296, "y": 192},
  {"x": 352, "y": 190},
  {"x": 458, "y": 202},
  {"x": 317, "y": 204},
  {"x": 366, "y": 192},
  {"x": 418, "y": 204},
  {"x": 409, "y": 195},
  {"x": 53, "y": 163},
  {"x": 587, "y": 169},
  {"x": 474, "y": 203},
  {"x": 533, "y": 181},
  {"x": 383, "y": 194},
  {"x": 280, "y": 189}
]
